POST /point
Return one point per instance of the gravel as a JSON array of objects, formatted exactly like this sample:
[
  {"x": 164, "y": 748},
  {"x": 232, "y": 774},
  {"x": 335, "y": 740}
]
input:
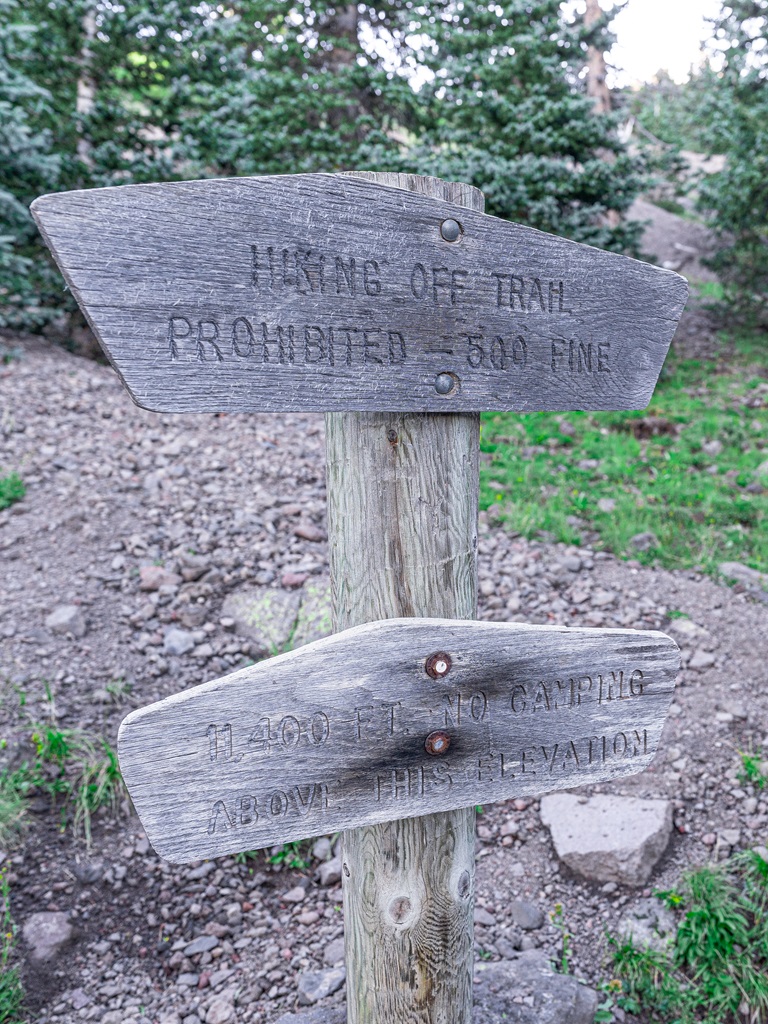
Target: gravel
[{"x": 228, "y": 504}]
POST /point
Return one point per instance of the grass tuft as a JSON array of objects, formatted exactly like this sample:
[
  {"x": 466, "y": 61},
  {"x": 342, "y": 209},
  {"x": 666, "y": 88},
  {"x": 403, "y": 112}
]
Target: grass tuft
[
  {"x": 12, "y": 489},
  {"x": 77, "y": 772},
  {"x": 717, "y": 969},
  {"x": 753, "y": 769}
]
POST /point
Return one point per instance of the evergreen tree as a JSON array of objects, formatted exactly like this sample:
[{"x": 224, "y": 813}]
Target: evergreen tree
[
  {"x": 736, "y": 120},
  {"x": 508, "y": 111},
  {"x": 28, "y": 167},
  {"x": 105, "y": 93}
]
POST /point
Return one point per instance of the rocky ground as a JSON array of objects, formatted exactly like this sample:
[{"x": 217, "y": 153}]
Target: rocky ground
[{"x": 122, "y": 569}]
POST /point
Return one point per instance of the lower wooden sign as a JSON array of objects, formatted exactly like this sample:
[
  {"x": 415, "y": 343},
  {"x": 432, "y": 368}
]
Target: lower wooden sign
[{"x": 389, "y": 720}]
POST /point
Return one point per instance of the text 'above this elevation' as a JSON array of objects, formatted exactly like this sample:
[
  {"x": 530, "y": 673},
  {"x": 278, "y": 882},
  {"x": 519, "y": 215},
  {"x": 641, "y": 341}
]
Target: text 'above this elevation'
[{"x": 390, "y": 720}]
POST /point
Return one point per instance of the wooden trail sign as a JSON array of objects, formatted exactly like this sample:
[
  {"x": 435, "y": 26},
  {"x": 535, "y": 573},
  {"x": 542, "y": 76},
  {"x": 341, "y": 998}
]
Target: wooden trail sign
[
  {"x": 390, "y": 720},
  {"x": 395, "y": 295},
  {"x": 325, "y": 292}
]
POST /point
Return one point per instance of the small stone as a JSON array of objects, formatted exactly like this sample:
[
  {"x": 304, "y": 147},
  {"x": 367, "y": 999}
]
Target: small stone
[
  {"x": 330, "y": 872},
  {"x": 735, "y": 708},
  {"x": 483, "y": 917},
  {"x": 324, "y": 1015},
  {"x": 47, "y": 932},
  {"x": 67, "y": 618},
  {"x": 713, "y": 447},
  {"x": 644, "y": 541},
  {"x": 686, "y": 628},
  {"x": 608, "y": 838},
  {"x": 201, "y": 871},
  {"x": 220, "y": 1011},
  {"x": 729, "y": 836},
  {"x": 295, "y": 895},
  {"x": 508, "y": 948},
  {"x": 649, "y": 925},
  {"x": 322, "y": 849},
  {"x": 79, "y": 999},
  {"x": 316, "y": 985},
  {"x": 309, "y": 532},
  {"x": 526, "y": 915},
  {"x": 178, "y": 641},
  {"x": 606, "y": 504},
  {"x": 294, "y": 579},
  {"x": 334, "y": 952},
  {"x": 202, "y": 944},
  {"x": 709, "y": 838},
  {"x": 152, "y": 577},
  {"x": 701, "y": 659},
  {"x": 88, "y": 871},
  {"x": 308, "y": 917}
]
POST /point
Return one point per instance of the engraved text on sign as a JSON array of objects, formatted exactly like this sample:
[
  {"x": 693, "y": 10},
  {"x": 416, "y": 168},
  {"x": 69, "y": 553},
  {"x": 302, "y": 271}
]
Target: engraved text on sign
[
  {"x": 331, "y": 293},
  {"x": 333, "y": 735}
]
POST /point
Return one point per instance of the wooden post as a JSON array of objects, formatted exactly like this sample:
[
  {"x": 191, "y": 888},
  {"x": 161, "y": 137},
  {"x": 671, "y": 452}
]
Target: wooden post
[{"x": 402, "y": 522}]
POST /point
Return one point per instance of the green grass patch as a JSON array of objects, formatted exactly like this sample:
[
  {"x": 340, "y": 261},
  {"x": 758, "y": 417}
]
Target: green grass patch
[
  {"x": 79, "y": 773},
  {"x": 12, "y": 489},
  {"x": 684, "y": 470},
  {"x": 11, "y": 990},
  {"x": 754, "y": 769},
  {"x": 12, "y": 811},
  {"x": 716, "y": 971}
]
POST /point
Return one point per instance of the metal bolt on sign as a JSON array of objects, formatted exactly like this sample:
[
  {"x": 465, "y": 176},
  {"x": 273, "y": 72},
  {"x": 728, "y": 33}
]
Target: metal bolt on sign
[{"x": 298, "y": 300}]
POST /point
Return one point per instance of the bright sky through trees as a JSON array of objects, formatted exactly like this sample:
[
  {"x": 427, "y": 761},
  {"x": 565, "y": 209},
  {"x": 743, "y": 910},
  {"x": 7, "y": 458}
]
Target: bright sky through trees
[{"x": 654, "y": 34}]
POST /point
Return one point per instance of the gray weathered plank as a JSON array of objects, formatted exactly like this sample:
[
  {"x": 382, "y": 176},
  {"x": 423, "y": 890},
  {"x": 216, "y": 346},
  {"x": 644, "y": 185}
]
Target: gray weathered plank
[
  {"x": 332, "y": 735},
  {"x": 329, "y": 292}
]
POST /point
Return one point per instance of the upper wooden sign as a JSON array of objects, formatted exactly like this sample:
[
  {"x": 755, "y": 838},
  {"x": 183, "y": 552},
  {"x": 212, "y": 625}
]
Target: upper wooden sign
[
  {"x": 390, "y": 720},
  {"x": 328, "y": 292}
]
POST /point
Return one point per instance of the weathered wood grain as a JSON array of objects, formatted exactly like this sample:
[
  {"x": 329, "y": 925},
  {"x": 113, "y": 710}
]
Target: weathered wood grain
[
  {"x": 402, "y": 534},
  {"x": 332, "y": 735},
  {"x": 330, "y": 292}
]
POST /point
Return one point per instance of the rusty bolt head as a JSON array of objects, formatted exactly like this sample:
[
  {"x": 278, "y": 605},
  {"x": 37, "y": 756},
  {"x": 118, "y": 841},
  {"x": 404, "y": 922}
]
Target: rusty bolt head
[
  {"x": 437, "y": 743},
  {"x": 438, "y": 665}
]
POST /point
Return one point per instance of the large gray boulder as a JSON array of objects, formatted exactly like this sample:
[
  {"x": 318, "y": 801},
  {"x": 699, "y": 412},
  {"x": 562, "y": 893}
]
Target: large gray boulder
[
  {"x": 608, "y": 838},
  {"x": 521, "y": 991},
  {"x": 278, "y": 620},
  {"x": 527, "y": 991}
]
